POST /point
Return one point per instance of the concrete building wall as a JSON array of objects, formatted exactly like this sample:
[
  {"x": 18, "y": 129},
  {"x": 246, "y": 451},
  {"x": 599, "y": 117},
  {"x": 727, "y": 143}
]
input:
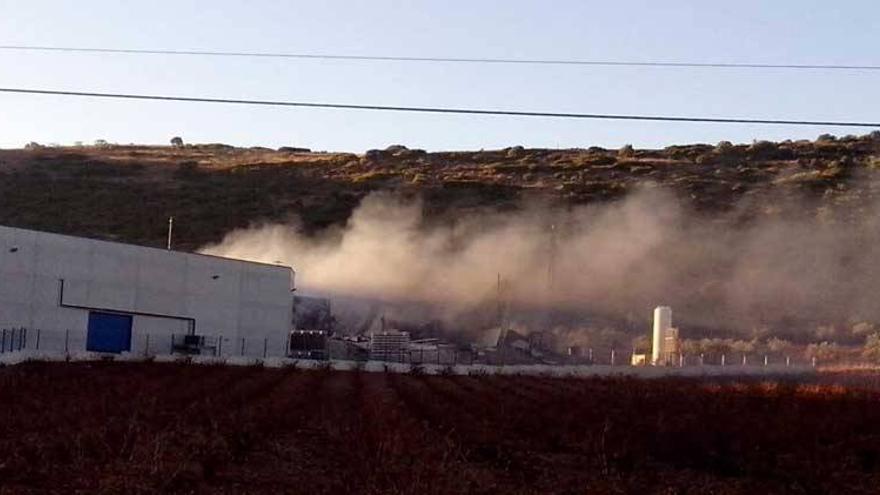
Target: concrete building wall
[{"x": 167, "y": 292}]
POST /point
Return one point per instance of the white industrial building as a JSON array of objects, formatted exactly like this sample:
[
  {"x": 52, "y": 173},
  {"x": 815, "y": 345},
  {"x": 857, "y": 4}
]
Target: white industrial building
[{"x": 79, "y": 294}]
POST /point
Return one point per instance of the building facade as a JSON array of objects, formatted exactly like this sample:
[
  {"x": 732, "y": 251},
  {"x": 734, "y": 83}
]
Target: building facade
[{"x": 110, "y": 297}]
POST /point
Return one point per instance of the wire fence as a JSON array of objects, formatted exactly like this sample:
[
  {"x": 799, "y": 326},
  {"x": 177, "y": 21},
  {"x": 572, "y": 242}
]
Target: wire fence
[
  {"x": 69, "y": 342},
  {"x": 444, "y": 357},
  {"x": 13, "y": 340}
]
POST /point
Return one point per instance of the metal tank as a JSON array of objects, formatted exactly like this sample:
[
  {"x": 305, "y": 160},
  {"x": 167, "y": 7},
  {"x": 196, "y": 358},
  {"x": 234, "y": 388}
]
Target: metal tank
[{"x": 662, "y": 322}]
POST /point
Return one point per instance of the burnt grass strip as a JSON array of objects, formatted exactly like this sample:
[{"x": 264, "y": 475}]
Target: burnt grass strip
[
  {"x": 83, "y": 414},
  {"x": 399, "y": 441},
  {"x": 175, "y": 428}
]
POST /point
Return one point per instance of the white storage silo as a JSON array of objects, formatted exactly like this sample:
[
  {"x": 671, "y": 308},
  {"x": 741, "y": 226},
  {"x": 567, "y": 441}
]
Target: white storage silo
[{"x": 662, "y": 323}]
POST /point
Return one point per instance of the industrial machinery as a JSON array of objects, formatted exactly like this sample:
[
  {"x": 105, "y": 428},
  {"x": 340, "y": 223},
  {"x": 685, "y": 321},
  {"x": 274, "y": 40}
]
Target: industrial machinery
[
  {"x": 194, "y": 345},
  {"x": 308, "y": 344}
]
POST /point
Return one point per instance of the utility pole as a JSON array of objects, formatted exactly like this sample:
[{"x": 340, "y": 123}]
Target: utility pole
[
  {"x": 501, "y": 297},
  {"x": 500, "y": 303},
  {"x": 170, "y": 228},
  {"x": 551, "y": 258}
]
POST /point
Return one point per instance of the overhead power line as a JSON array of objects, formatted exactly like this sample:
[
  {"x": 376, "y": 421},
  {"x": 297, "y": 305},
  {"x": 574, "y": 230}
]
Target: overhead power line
[
  {"x": 393, "y": 58},
  {"x": 441, "y": 110}
]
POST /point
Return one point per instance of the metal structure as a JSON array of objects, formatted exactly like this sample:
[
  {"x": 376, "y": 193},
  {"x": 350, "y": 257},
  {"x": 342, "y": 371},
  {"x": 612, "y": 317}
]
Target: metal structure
[
  {"x": 665, "y": 346},
  {"x": 308, "y": 344},
  {"x": 389, "y": 346}
]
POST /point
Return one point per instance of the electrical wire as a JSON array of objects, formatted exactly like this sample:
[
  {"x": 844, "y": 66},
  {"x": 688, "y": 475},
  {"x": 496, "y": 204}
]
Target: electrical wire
[
  {"x": 441, "y": 110},
  {"x": 391, "y": 58}
]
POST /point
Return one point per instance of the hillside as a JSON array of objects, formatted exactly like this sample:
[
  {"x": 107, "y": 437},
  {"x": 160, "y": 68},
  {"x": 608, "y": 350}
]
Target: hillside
[{"x": 128, "y": 192}]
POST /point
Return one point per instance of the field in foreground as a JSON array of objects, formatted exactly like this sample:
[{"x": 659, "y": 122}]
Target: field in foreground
[{"x": 143, "y": 428}]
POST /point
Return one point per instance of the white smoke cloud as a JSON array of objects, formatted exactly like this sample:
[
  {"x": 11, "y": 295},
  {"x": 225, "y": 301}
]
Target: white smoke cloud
[{"x": 614, "y": 260}]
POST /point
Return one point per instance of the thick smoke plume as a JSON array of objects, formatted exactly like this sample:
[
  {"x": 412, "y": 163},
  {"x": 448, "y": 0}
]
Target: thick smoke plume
[{"x": 616, "y": 261}]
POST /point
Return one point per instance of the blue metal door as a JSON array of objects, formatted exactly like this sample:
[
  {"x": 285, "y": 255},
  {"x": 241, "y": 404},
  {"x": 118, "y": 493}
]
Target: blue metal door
[{"x": 109, "y": 332}]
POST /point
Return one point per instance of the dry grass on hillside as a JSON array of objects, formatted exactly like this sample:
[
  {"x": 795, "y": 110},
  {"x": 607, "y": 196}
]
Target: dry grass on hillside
[{"x": 127, "y": 192}]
